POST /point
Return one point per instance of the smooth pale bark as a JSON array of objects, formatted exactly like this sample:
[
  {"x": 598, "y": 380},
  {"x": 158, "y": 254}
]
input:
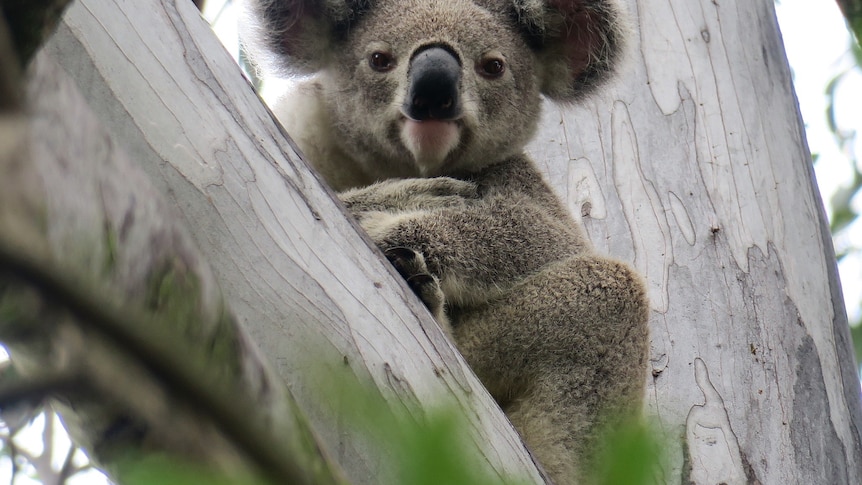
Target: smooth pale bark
[
  {"x": 693, "y": 166},
  {"x": 89, "y": 247},
  {"x": 322, "y": 304}
]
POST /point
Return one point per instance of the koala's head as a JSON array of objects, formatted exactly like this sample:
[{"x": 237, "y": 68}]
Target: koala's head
[{"x": 439, "y": 86}]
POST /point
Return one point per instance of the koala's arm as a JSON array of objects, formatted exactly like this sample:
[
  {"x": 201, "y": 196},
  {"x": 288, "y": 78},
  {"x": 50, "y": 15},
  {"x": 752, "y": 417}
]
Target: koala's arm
[
  {"x": 478, "y": 250},
  {"x": 411, "y": 194},
  {"x": 477, "y": 237}
]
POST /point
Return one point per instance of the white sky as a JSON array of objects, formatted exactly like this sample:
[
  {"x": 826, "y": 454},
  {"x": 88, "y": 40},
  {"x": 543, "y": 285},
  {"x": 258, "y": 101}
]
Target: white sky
[{"x": 817, "y": 46}]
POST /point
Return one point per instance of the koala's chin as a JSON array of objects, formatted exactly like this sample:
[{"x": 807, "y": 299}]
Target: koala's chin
[{"x": 430, "y": 142}]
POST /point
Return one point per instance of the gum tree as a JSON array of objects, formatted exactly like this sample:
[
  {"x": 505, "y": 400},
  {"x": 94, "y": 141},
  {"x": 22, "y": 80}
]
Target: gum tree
[{"x": 693, "y": 167}]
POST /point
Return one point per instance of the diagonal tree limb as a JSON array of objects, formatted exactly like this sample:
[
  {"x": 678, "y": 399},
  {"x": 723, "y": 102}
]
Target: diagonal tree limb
[{"x": 151, "y": 298}]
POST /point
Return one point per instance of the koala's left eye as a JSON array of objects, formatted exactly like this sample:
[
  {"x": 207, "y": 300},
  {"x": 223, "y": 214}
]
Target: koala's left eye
[
  {"x": 491, "y": 67},
  {"x": 381, "y": 61}
]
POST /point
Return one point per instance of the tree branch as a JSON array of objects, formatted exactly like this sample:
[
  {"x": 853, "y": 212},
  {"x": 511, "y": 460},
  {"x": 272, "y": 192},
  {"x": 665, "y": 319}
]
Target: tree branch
[
  {"x": 141, "y": 338},
  {"x": 68, "y": 468},
  {"x": 39, "y": 387},
  {"x": 152, "y": 305},
  {"x": 291, "y": 263}
]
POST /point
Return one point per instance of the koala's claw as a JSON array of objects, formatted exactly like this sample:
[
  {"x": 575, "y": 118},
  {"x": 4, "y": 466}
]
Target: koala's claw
[
  {"x": 419, "y": 282},
  {"x": 403, "y": 258},
  {"x": 411, "y": 266}
]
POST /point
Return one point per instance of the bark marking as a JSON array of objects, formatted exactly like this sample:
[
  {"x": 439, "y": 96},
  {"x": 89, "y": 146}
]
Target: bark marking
[{"x": 713, "y": 449}]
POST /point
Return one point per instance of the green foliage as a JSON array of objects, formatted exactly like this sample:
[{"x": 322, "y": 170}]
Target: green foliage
[
  {"x": 433, "y": 453},
  {"x": 631, "y": 455},
  {"x": 856, "y": 334},
  {"x": 856, "y": 50},
  {"x": 162, "y": 470},
  {"x": 430, "y": 451},
  {"x": 433, "y": 450},
  {"x": 853, "y": 13},
  {"x": 427, "y": 449},
  {"x": 844, "y": 214}
]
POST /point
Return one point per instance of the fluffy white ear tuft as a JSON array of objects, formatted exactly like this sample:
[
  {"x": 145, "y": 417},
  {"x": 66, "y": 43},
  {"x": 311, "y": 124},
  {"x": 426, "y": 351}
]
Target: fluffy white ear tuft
[
  {"x": 287, "y": 37},
  {"x": 579, "y": 42}
]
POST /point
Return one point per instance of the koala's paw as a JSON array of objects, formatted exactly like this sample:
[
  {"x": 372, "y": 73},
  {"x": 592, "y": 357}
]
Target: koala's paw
[
  {"x": 411, "y": 266},
  {"x": 410, "y": 194}
]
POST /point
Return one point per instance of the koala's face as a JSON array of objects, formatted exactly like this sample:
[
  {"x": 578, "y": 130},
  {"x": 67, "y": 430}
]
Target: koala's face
[
  {"x": 437, "y": 87},
  {"x": 432, "y": 87}
]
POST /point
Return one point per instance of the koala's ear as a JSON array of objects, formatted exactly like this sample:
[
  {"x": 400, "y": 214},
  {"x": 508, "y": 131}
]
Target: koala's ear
[
  {"x": 579, "y": 42},
  {"x": 297, "y": 36}
]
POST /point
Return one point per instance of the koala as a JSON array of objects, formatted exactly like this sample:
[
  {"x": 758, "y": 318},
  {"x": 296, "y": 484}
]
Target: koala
[{"x": 418, "y": 113}]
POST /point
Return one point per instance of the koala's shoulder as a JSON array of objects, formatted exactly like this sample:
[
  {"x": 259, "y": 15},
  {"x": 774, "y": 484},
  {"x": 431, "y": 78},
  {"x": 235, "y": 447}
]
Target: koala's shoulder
[{"x": 304, "y": 115}]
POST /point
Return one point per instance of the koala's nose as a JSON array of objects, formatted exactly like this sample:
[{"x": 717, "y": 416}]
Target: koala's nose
[{"x": 434, "y": 76}]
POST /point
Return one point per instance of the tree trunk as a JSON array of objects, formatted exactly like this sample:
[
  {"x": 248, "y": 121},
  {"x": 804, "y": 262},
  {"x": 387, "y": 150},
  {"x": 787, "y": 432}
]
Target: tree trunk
[
  {"x": 693, "y": 166},
  {"x": 320, "y": 302},
  {"x": 105, "y": 303}
]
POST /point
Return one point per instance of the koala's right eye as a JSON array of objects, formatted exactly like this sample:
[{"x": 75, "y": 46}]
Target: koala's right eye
[{"x": 381, "y": 61}]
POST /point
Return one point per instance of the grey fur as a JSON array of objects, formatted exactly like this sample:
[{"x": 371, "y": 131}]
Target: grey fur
[{"x": 556, "y": 332}]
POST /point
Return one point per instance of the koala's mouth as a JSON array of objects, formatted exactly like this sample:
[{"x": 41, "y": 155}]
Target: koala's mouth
[{"x": 430, "y": 141}]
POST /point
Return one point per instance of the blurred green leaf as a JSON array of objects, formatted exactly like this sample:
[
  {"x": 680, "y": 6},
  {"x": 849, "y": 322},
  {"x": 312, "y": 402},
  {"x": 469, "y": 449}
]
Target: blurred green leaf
[
  {"x": 433, "y": 450},
  {"x": 434, "y": 454},
  {"x": 843, "y": 213},
  {"x": 856, "y": 333},
  {"x": 164, "y": 470},
  {"x": 631, "y": 455},
  {"x": 831, "y": 87},
  {"x": 428, "y": 448},
  {"x": 856, "y": 49},
  {"x": 856, "y": 26}
]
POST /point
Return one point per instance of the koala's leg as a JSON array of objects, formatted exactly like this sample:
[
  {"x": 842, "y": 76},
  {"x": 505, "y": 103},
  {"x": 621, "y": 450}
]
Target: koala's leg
[{"x": 564, "y": 352}]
